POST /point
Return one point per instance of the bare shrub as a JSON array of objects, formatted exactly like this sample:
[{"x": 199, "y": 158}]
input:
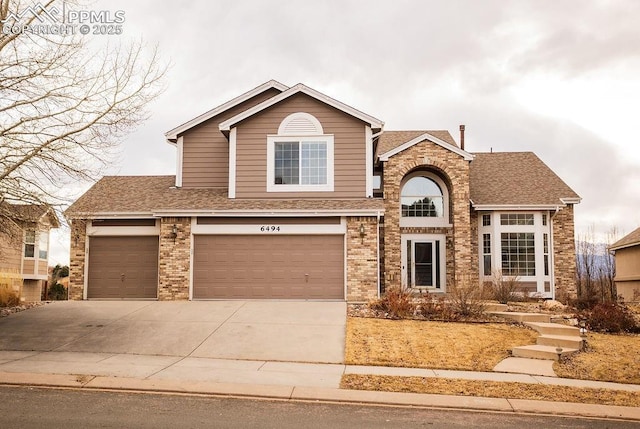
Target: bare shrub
[
  {"x": 504, "y": 289},
  {"x": 435, "y": 307},
  {"x": 610, "y": 317},
  {"x": 8, "y": 297},
  {"x": 466, "y": 298},
  {"x": 396, "y": 302}
]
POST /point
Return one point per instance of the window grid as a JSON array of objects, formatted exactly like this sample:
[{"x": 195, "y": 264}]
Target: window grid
[
  {"x": 516, "y": 219},
  {"x": 486, "y": 220},
  {"x": 545, "y": 239},
  {"x": 287, "y": 163},
  {"x": 314, "y": 163},
  {"x": 518, "y": 254},
  {"x": 544, "y": 220},
  {"x": 421, "y": 197},
  {"x": 486, "y": 250},
  {"x": 29, "y": 243}
]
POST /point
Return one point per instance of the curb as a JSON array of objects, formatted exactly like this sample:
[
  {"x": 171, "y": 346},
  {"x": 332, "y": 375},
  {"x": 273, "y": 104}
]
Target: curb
[{"x": 314, "y": 394}]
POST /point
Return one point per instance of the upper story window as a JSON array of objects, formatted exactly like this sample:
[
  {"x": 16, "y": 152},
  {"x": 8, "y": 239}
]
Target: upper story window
[
  {"x": 424, "y": 201},
  {"x": 29, "y": 243},
  {"x": 43, "y": 245},
  {"x": 300, "y": 156},
  {"x": 516, "y": 219}
]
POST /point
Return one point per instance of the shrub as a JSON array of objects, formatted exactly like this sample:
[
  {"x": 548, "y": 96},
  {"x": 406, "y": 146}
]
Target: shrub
[
  {"x": 57, "y": 292},
  {"x": 610, "y": 317},
  {"x": 397, "y": 302},
  {"x": 466, "y": 299},
  {"x": 8, "y": 297},
  {"x": 584, "y": 303},
  {"x": 431, "y": 307},
  {"x": 504, "y": 288}
]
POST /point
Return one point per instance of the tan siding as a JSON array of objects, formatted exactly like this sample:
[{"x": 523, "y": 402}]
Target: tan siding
[
  {"x": 628, "y": 263},
  {"x": 29, "y": 267},
  {"x": 11, "y": 251},
  {"x": 43, "y": 267},
  {"x": 206, "y": 150},
  {"x": 349, "y": 150}
]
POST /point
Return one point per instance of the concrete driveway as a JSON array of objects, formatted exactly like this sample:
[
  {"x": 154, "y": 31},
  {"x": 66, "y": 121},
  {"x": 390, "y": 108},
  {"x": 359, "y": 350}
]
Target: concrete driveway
[{"x": 288, "y": 331}]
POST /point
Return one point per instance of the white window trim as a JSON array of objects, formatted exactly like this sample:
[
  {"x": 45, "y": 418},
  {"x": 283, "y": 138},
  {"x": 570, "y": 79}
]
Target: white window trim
[
  {"x": 496, "y": 230},
  {"x": 35, "y": 244},
  {"x": 443, "y": 259},
  {"x": 273, "y": 187},
  {"x": 282, "y": 129},
  {"x": 426, "y": 221},
  {"x": 368, "y": 141}
]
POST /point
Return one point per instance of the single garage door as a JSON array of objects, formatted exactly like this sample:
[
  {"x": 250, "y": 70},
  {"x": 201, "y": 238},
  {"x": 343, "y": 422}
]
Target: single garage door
[
  {"x": 123, "y": 267},
  {"x": 265, "y": 266}
]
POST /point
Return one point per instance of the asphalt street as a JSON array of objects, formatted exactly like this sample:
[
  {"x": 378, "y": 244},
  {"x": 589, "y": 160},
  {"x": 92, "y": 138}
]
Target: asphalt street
[{"x": 26, "y": 407}]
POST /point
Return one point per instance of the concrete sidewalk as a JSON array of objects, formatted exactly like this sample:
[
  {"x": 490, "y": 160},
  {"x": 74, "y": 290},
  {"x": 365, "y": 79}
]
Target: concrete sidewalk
[{"x": 279, "y": 380}]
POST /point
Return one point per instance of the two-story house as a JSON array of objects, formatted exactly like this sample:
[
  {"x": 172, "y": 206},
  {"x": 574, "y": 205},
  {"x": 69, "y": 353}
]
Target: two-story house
[
  {"x": 24, "y": 247},
  {"x": 286, "y": 193}
]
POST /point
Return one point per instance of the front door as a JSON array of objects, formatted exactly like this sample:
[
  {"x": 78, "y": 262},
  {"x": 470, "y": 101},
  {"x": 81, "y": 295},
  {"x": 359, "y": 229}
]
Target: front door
[{"x": 423, "y": 261}]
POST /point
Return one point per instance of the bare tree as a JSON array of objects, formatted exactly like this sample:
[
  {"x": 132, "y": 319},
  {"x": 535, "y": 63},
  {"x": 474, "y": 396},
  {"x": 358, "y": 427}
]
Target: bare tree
[{"x": 64, "y": 106}]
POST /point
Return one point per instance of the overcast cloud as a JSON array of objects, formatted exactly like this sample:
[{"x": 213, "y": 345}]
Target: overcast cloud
[{"x": 559, "y": 78}]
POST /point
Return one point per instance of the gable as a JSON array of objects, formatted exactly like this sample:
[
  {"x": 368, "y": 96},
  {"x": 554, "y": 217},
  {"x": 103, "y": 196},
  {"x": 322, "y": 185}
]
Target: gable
[
  {"x": 272, "y": 86},
  {"x": 375, "y": 123},
  {"x": 398, "y": 141}
]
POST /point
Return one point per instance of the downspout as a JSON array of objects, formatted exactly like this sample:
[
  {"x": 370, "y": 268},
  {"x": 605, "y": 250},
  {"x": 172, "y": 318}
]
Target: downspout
[
  {"x": 378, "y": 251},
  {"x": 552, "y": 254}
]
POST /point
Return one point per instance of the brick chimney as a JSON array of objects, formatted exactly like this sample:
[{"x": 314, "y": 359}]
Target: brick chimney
[{"x": 462, "y": 137}]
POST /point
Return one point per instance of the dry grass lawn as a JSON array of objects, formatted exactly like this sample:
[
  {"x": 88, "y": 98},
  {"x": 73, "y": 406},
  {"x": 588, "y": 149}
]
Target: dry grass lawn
[
  {"x": 492, "y": 389},
  {"x": 608, "y": 358},
  {"x": 436, "y": 345}
]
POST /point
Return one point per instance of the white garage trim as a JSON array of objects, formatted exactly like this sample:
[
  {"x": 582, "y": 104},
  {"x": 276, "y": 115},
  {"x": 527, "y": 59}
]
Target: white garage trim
[{"x": 272, "y": 228}]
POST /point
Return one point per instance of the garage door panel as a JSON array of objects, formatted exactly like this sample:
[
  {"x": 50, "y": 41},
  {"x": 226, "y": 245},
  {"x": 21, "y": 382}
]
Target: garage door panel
[
  {"x": 123, "y": 267},
  {"x": 294, "y": 267}
]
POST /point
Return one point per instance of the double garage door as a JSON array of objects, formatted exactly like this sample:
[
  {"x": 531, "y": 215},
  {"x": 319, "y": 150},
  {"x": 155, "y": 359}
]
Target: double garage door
[
  {"x": 268, "y": 266},
  {"x": 224, "y": 267}
]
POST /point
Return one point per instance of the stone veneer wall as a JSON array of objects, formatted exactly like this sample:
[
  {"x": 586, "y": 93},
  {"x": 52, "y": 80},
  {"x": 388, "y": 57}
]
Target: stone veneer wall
[
  {"x": 362, "y": 259},
  {"x": 77, "y": 258},
  {"x": 564, "y": 254},
  {"x": 431, "y": 157},
  {"x": 175, "y": 257}
]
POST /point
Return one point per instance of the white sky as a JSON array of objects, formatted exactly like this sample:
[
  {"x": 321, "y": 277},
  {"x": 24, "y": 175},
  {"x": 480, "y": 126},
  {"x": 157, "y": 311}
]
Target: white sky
[{"x": 559, "y": 78}]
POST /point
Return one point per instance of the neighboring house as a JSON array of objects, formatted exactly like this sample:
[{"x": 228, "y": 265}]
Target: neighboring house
[
  {"x": 627, "y": 256},
  {"x": 24, "y": 241},
  {"x": 286, "y": 193}
]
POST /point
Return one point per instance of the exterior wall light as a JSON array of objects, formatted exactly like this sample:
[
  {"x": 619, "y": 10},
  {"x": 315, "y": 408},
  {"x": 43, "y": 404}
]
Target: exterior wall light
[
  {"x": 362, "y": 232},
  {"x": 174, "y": 232}
]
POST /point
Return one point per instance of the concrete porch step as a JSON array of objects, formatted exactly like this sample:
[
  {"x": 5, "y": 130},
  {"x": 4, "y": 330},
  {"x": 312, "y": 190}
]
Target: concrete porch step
[
  {"x": 540, "y": 352},
  {"x": 523, "y": 317},
  {"x": 491, "y": 307},
  {"x": 564, "y": 341},
  {"x": 553, "y": 329}
]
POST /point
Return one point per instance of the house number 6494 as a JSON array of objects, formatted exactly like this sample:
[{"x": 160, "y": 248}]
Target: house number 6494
[{"x": 271, "y": 228}]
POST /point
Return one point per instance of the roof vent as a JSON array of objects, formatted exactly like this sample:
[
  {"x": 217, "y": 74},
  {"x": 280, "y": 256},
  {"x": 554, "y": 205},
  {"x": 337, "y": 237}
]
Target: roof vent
[{"x": 300, "y": 123}]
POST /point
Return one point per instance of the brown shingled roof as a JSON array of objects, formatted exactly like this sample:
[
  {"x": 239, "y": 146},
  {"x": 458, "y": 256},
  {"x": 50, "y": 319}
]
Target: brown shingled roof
[
  {"x": 631, "y": 239},
  {"x": 390, "y": 140},
  {"x": 515, "y": 178},
  {"x": 29, "y": 213},
  {"x": 153, "y": 194}
]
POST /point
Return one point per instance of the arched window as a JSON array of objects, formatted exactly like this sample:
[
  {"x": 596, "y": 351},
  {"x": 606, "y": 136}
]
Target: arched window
[
  {"x": 424, "y": 201},
  {"x": 422, "y": 197}
]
